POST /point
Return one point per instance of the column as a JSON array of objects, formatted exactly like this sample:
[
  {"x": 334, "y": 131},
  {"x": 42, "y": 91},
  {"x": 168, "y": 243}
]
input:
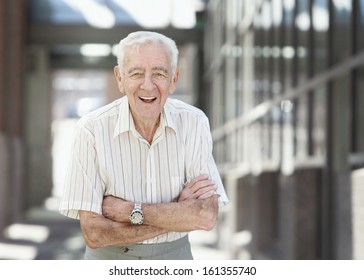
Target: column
[{"x": 38, "y": 126}]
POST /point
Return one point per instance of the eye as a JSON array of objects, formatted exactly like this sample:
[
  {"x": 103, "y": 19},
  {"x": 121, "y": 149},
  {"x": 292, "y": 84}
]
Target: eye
[
  {"x": 136, "y": 76},
  {"x": 160, "y": 75}
]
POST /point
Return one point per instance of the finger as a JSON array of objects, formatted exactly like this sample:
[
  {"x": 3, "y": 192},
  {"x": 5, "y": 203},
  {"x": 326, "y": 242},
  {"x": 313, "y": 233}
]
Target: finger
[
  {"x": 202, "y": 184},
  {"x": 194, "y": 186},
  {"x": 207, "y": 194},
  {"x": 197, "y": 179},
  {"x": 185, "y": 193},
  {"x": 210, "y": 188}
]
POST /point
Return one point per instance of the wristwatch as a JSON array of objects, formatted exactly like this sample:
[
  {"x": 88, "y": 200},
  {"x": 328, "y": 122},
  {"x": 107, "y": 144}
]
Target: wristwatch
[{"x": 136, "y": 216}]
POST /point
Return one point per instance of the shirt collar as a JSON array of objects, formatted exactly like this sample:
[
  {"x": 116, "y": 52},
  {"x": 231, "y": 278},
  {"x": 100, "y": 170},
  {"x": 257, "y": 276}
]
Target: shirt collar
[
  {"x": 167, "y": 116},
  {"x": 125, "y": 121}
]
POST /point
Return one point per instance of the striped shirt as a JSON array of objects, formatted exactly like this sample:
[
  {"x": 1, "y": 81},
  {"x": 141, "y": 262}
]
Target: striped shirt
[{"x": 109, "y": 157}]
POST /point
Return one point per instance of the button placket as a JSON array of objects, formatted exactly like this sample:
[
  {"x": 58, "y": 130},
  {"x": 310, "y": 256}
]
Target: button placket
[{"x": 151, "y": 179}]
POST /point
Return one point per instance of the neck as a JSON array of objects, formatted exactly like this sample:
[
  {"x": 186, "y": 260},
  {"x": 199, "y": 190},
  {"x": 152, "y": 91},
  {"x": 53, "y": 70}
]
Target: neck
[{"x": 147, "y": 129}]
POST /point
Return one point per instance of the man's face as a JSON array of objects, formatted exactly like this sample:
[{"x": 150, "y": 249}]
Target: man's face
[{"x": 147, "y": 80}]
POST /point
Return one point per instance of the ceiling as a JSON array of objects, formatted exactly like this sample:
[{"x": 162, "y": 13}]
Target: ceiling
[{"x": 63, "y": 26}]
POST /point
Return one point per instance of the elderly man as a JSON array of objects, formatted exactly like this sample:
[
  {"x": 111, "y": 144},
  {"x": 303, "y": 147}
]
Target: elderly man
[{"x": 142, "y": 174}]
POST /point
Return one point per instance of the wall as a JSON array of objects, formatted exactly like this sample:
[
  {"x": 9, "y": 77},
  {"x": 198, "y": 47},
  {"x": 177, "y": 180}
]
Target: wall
[{"x": 12, "y": 41}]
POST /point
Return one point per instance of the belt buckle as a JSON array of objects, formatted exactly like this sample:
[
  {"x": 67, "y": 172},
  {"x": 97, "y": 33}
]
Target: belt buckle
[{"x": 124, "y": 249}]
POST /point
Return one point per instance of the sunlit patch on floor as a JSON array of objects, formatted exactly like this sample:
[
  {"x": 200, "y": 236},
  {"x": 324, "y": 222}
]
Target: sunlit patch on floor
[
  {"x": 34, "y": 233},
  {"x": 17, "y": 252}
]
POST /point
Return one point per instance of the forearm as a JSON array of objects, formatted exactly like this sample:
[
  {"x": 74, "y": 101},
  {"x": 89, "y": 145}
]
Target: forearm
[
  {"x": 197, "y": 208},
  {"x": 184, "y": 216},
  {"x": 189, "y": 215},
  {"x": 99, "y": 231}
]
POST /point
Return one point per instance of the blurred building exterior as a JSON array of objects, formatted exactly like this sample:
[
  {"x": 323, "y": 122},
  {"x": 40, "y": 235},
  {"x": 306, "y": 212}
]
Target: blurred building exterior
[
  {"x": 284, "y": 92},
  {"x": 282, "y": 84}
]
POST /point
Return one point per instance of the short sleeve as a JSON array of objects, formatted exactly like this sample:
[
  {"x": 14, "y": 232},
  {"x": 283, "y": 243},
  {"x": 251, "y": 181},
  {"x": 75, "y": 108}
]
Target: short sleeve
[
  {"x": 202, "y": 161},
  {"x": 83, "y": 189}
]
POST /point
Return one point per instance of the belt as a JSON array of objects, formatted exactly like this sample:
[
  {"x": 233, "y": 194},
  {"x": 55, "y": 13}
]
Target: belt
[
  {"x": 148, "y": 250},
  {"x": 142, "y": 250}
]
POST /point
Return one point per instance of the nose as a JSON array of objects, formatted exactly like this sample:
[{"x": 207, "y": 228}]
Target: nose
[{"x": 148, "y": 83}]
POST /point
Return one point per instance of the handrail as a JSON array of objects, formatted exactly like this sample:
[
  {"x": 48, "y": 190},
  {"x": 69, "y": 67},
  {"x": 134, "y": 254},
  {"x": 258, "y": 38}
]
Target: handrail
[{"x": 262, "y": 109}]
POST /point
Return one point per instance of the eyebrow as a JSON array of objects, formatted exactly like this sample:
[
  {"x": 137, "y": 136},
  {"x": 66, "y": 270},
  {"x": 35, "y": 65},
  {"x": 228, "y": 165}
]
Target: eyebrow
[
  {"x": 159, "y": 68},
  {"x": 131, "y": 70}
]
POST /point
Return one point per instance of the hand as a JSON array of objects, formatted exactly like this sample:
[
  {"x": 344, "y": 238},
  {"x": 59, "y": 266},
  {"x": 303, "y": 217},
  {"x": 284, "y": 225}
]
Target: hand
[
  {"x": 116, "y": 209},
  {"x": 198, "y": 188}
]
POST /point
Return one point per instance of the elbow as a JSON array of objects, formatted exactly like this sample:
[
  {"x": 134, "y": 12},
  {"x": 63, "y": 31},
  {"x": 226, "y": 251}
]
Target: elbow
[
  {"x": 92, "y": 240},
  {"x": 89, "y": 230},
  {"x": 93, "y": 244}
]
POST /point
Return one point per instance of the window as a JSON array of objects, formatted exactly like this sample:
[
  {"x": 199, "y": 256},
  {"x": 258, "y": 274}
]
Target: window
[
  {"x": 359, "y": 28},
  {"x": 319, "y": 122},
  {"x": 277, "y": 17},
  {"x": 358, "y": 115},
  {"x": 258, "y": 59},
  {"x": 301, "y": 133},
  {"x": 302, "y": 24},
  {"x": 358, "y": 96},
  {"x": 341, "y": 35},
  {"x": 320, "y": 24},
  {"x": 288, "y": 49},
  {"x": 266, "y": 14}
]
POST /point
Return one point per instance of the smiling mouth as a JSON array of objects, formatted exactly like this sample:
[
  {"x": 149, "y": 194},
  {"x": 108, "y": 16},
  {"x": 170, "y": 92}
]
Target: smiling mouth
[{"x": 148, "y": 99}]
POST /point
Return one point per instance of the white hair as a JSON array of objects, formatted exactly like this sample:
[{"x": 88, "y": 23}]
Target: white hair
[{"x": 147, "y": 37}]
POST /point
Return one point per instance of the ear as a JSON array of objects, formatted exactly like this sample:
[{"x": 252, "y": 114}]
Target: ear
[
  {"x": 172, "y": 87},
  {"x": 119, "y": 79}
]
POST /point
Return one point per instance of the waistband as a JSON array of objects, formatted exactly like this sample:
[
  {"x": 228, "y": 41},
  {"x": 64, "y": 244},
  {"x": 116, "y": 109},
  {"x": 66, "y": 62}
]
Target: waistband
[{"x": 142, "y": 250}]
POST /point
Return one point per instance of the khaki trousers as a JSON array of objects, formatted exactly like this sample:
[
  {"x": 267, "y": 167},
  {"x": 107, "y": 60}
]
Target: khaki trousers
[{"x": 175, "y": 250}]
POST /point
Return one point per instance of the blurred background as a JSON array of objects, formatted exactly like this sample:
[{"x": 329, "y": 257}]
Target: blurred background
[{"x": 282, "y": 82}]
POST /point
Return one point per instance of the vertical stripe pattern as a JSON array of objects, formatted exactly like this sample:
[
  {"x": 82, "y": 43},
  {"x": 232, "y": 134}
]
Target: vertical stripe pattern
[{"x": 110, "y": 157}]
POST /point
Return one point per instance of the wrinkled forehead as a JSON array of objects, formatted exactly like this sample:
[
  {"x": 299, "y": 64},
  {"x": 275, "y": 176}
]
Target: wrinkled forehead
[
  {"x": 147, "y": 52},
  {"x": 138, "y": 47}
]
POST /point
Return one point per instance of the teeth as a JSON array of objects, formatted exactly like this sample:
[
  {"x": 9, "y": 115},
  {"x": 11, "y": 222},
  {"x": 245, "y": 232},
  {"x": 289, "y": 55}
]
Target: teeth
[{"x": 148, "y": 98}]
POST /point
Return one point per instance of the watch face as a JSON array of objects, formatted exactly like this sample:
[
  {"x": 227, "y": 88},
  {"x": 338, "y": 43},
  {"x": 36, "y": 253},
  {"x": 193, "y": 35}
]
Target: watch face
[{"x": 136, "y": 218}]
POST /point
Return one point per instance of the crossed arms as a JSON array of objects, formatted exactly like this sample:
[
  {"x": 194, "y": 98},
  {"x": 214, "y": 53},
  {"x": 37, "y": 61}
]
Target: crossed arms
[{"x": 196, "y": 209}]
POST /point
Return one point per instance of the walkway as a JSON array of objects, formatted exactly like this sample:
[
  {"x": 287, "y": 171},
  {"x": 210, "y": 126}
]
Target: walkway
[{"x": 47, "y": 235}]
